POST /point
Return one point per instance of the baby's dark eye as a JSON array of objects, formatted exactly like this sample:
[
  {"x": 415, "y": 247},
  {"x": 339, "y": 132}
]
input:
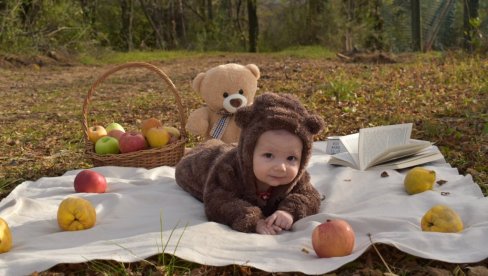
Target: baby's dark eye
[
  {"x": 268, "y": 155},
  {"x": 292, "y": 158},
  {"x": 241, "y": 91},
  {"x": 225, "y": 94}
]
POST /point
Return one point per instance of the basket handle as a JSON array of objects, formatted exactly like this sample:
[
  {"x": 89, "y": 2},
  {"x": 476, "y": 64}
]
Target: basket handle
[{"x": 151, "y": 67}]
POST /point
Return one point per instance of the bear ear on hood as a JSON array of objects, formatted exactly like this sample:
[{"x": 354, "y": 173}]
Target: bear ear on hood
[
  {"x": 197, "y": 82},
  {"x": 254, "y": 70},
  {"x": 314, "y": 124},
  {"x": 243, "y": 116}
]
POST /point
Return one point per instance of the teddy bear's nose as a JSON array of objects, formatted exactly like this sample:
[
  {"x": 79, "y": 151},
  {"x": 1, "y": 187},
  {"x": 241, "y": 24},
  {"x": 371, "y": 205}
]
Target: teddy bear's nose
[{"x": 236, "y": 102}]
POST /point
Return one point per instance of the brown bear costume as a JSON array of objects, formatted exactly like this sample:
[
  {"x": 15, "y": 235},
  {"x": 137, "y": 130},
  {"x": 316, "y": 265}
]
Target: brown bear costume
[{"x": 221, "y": 175}]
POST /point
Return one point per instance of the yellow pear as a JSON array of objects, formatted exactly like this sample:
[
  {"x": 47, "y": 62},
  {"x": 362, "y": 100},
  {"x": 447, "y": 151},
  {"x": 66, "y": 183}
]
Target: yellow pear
[
  {"x": 419, "y": 180},
  {"x": 5, "y": 236},
  {"x": 76, "y": 213},
  {"x": 441, "y": 218}
]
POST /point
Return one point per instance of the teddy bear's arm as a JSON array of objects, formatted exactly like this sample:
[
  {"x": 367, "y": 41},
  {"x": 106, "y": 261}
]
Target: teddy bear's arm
[{"x": 198, "y": 122}]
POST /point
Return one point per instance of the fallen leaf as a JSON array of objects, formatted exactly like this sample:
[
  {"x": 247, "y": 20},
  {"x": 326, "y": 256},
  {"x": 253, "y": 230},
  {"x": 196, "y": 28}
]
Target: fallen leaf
[
  {"x": 477, "y": 270},
  {"x": 441, "y": 182}
]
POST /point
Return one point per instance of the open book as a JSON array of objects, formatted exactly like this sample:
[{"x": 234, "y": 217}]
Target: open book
[{"x": 387, "y": 147}]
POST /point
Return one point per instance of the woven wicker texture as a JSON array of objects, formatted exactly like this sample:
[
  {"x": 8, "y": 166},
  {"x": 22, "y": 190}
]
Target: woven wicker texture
[{"x": 149, "y": 158}]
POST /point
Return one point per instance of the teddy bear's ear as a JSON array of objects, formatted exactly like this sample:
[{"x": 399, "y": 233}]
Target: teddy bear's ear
[
  {"x": 254, "y": 70},
  {"x": 243, "y": 116},
  {"x": 314, "y": 124},
  {"x": 197, "y": 82}
]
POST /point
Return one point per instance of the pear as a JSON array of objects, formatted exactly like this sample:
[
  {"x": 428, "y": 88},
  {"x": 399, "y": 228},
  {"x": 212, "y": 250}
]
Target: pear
[
  {"x": 419, "y": 180},
  {"x": 5, "y": 237},
  {"x": 441, "y": 218}
]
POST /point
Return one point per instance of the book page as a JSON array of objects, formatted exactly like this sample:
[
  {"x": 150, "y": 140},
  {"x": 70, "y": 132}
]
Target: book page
[
  {"x": 412, "y": 147},
  {"x": 374, "y": 141},
  {"x": 343, "y": 159},
  {"x": 427, "y": 155},
  {"x": 351, "y": 143}
]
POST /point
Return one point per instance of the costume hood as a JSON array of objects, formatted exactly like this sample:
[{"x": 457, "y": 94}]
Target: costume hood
[{"x": 272, "y": 111}]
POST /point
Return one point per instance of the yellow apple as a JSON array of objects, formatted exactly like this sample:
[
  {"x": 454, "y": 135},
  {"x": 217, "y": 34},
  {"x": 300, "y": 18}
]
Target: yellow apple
[
  {"x": 76, "y": 213},
  {"x": 5, "y": 237},
  {"x": 175, "y": 133},
  {"x": 150, "y": 123},
  {"x": 157, "y": 137},
  {"x": 96, "y": 132},
  {"x": 441, "y": 218}
]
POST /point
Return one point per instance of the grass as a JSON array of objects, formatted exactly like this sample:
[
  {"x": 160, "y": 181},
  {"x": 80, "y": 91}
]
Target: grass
[{"x": 443, "y": 94}]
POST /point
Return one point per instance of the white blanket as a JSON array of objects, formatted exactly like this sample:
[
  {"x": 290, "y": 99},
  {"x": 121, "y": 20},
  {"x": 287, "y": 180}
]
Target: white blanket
[{"x": 142, "y": 208}]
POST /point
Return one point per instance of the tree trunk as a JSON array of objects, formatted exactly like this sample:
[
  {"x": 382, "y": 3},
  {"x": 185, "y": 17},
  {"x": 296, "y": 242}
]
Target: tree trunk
[
  {"x": 470, "y": 12},
  {"x": 127, "y": 15},
  {"x": 349, "y": 10},
  {"x": 253, "y": 25},
  {"x": 180, "y": 23},
  {"x": 155, "y": 16},
  {"x": 209, "y": 10},
  {"x": 375, "y": 40},
  {"x": 315, "y": 8},
  {"x": 436, "y": 23},
  {"x": 415, "y": 18}
]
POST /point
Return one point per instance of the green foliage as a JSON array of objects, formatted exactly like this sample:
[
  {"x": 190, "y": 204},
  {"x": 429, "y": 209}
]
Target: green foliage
[
  {"x": 342, "y": 88},
  {"x": 96, "y": 27}
]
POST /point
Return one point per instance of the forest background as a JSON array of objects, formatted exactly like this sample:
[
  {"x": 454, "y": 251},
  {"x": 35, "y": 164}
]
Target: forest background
[{"x": 94, "y": 26}]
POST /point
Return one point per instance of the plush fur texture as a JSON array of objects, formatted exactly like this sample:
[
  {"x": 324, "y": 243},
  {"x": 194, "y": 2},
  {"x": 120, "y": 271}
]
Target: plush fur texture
[
  {"x": 224, "y": 88},
  {"x": 221, "y": 175}
]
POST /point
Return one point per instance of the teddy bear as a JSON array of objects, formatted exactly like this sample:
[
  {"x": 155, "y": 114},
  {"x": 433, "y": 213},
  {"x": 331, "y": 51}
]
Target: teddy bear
[{"x": 224, "y": 88}]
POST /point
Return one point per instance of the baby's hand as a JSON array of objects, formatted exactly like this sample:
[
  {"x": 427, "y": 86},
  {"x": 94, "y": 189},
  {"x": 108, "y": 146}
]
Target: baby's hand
[
  {"x": 263, "y": 228},
  {"x": 282, "y": 219}
]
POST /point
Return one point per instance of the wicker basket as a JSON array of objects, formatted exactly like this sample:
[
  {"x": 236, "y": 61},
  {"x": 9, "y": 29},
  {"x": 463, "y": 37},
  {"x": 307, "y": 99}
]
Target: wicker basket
[{"x": 149, "y": 158}]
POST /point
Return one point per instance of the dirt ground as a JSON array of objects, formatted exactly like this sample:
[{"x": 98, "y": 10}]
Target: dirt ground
[{"x": 41, "y": 100}]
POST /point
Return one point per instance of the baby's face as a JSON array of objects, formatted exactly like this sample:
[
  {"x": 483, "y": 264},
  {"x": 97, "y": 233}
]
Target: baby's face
[{"x": 276, "y": 158}]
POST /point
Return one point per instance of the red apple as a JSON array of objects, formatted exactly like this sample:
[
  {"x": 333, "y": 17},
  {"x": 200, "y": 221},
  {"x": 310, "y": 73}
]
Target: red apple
[
  {"x": 333, "y": 238},
  {"x": 88, "y": 181},
  {"x": 116, "y": 133},
  {"x": 132, "y": 141}
]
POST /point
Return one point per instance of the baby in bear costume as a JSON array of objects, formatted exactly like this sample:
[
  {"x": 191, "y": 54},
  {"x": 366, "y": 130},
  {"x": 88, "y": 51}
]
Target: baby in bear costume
[{"x": 259, "y": 185}]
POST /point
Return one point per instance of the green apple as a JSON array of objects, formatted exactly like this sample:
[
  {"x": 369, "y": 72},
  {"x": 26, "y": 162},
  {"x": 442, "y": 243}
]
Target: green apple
[
  {"x": 113, "y": 126},
  {"x": 107, "y": 145},
  {"x": 173, "y": 131}
]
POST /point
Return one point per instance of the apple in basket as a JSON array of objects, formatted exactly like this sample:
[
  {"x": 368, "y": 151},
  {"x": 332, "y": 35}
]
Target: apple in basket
[
  {"x": 333, "y": 238},
  {"x": 132, "y": 141},
  {"x": 96, "y": 132},
  {"x": 157, "y": 137},
  {"x": 174, "y": 132},
  {"x": 107, "y": 145},
  {"x": 113, "y": 126},
  {"x": 150, "y": 123},
  {"x": 116, "y": 133},
  {"x": 5, "y": 237},
  {"x": 89, "y": 181}
]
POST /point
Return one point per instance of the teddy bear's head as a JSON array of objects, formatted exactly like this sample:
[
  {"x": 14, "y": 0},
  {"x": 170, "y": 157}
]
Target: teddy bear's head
[{"x": 228, "y": 87}]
